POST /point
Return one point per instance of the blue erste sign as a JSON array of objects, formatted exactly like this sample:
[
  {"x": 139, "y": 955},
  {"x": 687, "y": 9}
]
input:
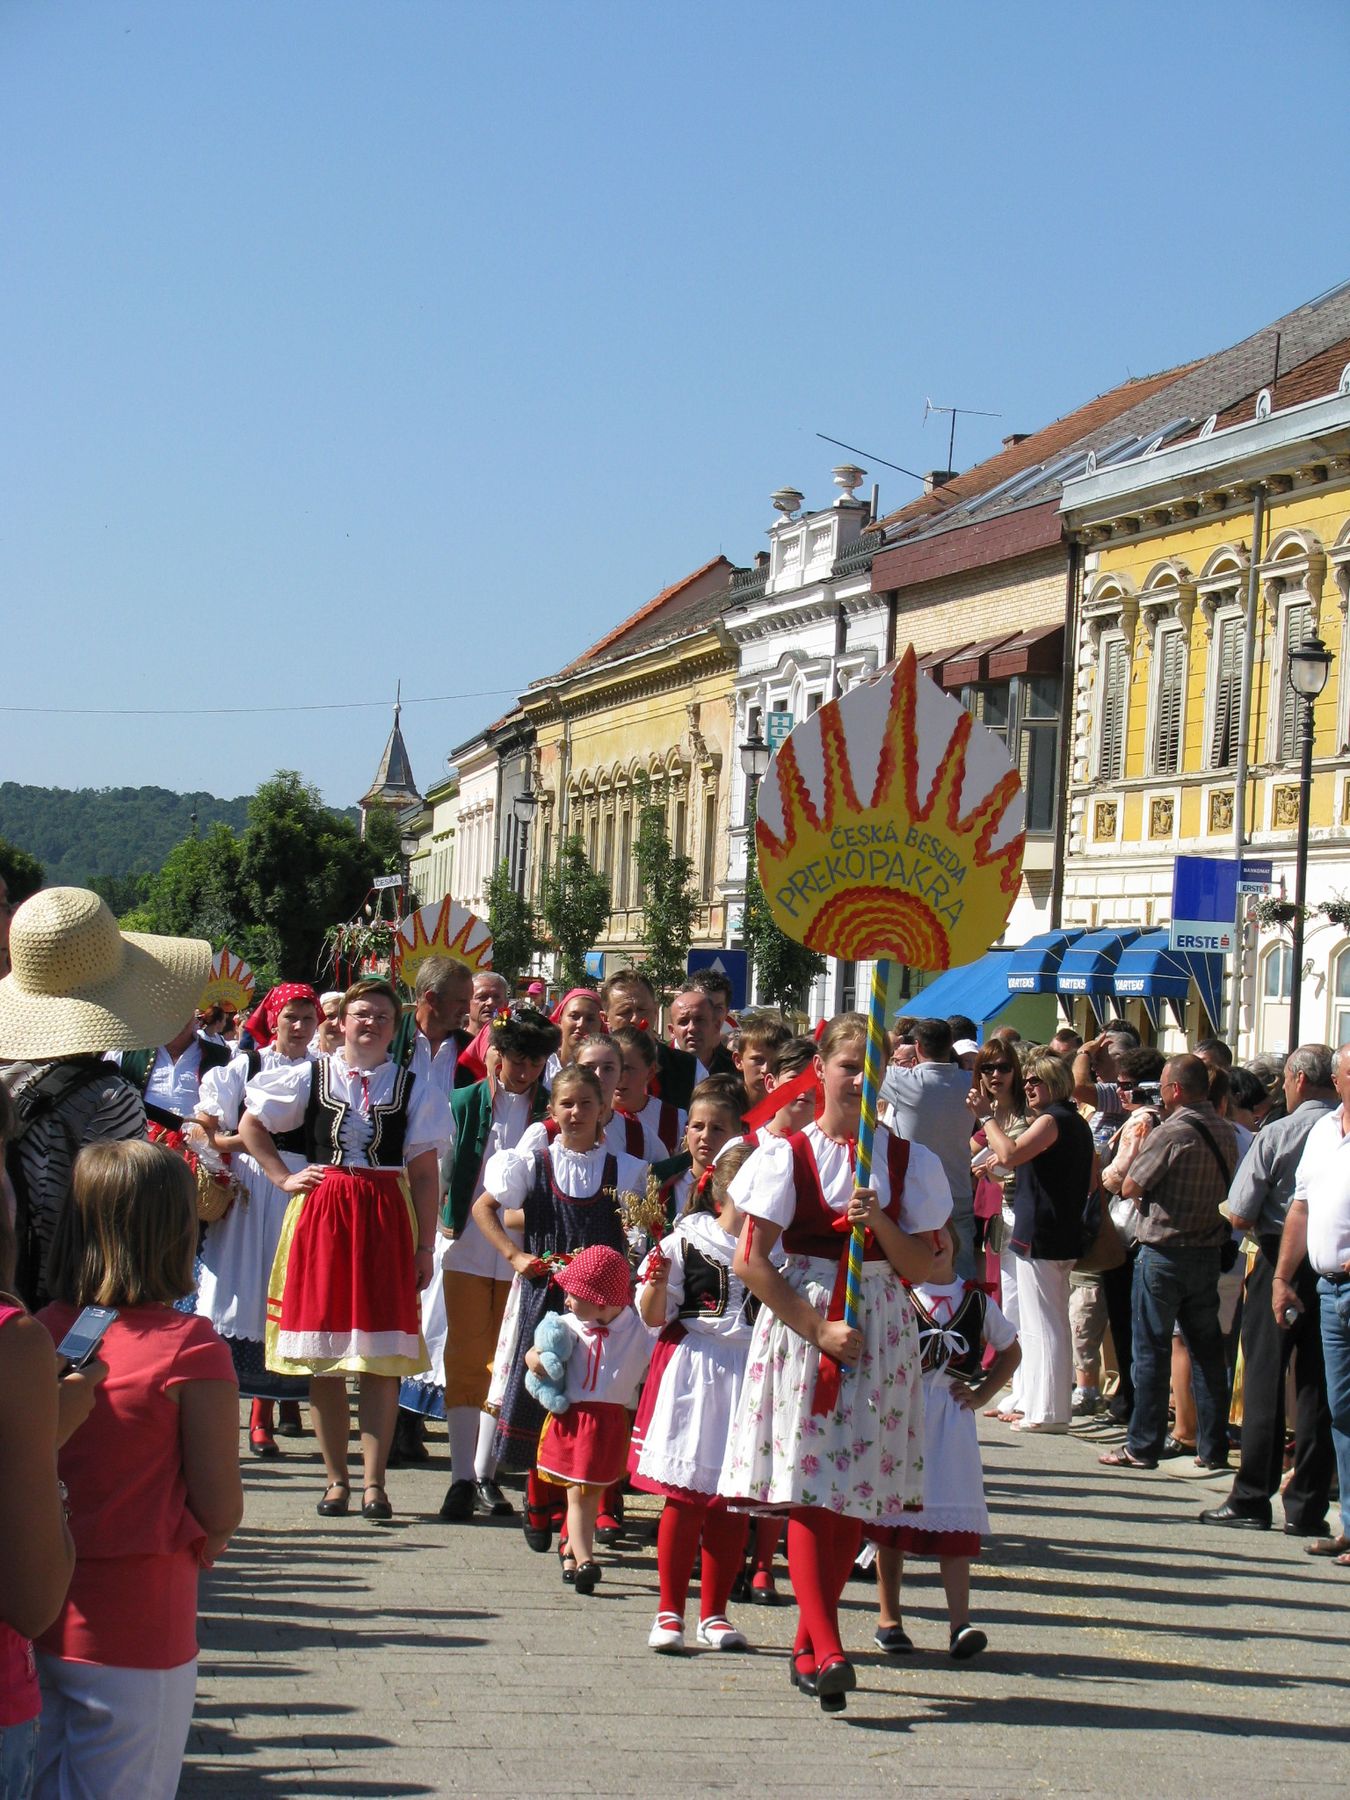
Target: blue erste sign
[
  {"x": 731, "y": 963},
  {"x": 1257, "y": 875},
  {"x": 1204, "y": 904}
]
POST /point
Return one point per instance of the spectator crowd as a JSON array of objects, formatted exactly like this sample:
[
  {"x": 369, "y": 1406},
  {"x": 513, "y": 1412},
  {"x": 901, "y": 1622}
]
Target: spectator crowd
[{"x": 610, "y": 1262}]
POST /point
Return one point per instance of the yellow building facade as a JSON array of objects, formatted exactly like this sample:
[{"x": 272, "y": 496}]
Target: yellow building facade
[
  {"x": 653, "y": 701},
  {"x": 1169, "y": 670}
]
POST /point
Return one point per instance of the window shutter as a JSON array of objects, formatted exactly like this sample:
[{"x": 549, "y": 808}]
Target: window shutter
[
  {"x": 1115, "y": 682},
  {"x": 1297, "y": 620},
  {"x": 1227, "y": 694},
  {"x": 1169, "y": 657}
]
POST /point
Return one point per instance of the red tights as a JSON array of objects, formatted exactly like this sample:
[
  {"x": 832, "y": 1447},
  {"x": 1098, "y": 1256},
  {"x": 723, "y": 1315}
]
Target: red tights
[
  {"x": 821, "y": 1549},
  {"x": 683, "y": 1522}
]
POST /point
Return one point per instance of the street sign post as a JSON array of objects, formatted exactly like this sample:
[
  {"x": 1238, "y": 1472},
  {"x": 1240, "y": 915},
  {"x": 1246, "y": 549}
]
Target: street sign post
[{"x": 733, "y": 964}]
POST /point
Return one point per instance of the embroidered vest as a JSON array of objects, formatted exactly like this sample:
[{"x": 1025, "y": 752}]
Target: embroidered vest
[
  {"x": 955, "y": 1345},
  {"x": 325, "y": 1113},
  {"x": 817, "y": 1230}
]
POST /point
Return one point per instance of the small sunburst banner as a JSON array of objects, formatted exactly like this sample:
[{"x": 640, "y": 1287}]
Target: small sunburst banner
[{"x": 445, "y": 930}]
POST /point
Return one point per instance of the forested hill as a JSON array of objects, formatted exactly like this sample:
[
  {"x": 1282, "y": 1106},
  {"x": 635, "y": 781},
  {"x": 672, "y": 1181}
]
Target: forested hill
[{"x": 79, "y": 834}]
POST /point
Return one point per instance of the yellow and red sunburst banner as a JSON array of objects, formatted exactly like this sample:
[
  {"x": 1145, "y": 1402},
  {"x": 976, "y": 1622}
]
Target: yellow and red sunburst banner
[
  {"x": 230, "y": 984},
  {"x": 890, "y": 824},
  {"x": 445, "y": 930}
]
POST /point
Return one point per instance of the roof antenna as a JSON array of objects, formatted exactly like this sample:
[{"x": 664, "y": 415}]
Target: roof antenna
[{"x": 974, "y": 411}]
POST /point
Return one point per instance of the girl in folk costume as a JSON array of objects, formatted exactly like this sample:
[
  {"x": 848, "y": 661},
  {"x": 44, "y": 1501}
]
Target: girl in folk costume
[
  {"x": 958, "y": 1323},
  {"x": 716, "y": 1107},
  {"x": 585, "y": 1447},
  {"x": 829, "y": 1425},
  {"x": 680, "y": 1437},
  {"x": 561, "y": 1196},
  {"x": 356, "y": 1245},
  {"x": 631, "y": 1137},
  {"x": 633, "y": 1095},
  {"x": 238, "y": 1251},
  {"x": 490, "y": 1117}
]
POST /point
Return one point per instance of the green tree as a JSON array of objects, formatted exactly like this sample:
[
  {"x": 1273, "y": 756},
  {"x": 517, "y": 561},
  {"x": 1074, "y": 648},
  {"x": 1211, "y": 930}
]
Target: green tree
[
  {"x": 669, "y": 902},
  {"x": 303, "y": 868},
  {"x": 22, "y": 872},
  {"x": 574, "y": 901},
  {"x": 197, "y": 893},
  {"x": 783, "y": 969},
  {"x": 511, "y": 920},
  {"x": 123, "y": 892}
]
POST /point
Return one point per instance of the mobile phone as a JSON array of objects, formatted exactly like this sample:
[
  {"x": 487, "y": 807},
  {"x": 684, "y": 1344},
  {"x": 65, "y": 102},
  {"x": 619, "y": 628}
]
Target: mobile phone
[{"x": 81, "y": 1343}]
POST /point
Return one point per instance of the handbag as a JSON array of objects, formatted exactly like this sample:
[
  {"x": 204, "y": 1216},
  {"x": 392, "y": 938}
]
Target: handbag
[{"x": 1103, "y": 1249}]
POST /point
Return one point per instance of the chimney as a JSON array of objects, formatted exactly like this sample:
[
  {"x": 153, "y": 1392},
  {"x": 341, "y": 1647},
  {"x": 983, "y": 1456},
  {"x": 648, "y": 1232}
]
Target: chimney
[
  {"x": 936, "y": 478},
  {"x": 1014, "y": 438}
]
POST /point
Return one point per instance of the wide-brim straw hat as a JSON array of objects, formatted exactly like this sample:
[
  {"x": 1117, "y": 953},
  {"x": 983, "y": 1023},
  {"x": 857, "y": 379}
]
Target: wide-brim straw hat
[{"x": 77, "y": 984}]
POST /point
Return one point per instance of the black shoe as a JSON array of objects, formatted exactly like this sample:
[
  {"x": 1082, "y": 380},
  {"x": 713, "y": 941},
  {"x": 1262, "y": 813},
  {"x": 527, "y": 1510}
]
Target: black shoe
[
  {"x": 409, "y": 1444},
  {"x": 1228, "y": 1514},
  {"x": 458, "y": 1504},
  {"x": 337, "y": 1507},
  {"x": 379, "y": 1512},
  {"x": 966, "y": 1641},
  {"x": 492, "y": 1501},
  {"x": 611, "y": 1530},
  {"x": 1318, "y": 1528},
  {"x": 1213, "y": 1463},
  {"x": 588, "y": 1573},
  {"x": 894, "y": 1640},
  {"x": 833, "y": 1681}
]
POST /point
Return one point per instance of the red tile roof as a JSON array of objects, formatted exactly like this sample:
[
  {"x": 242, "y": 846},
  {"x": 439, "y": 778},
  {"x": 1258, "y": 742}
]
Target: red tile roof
[
  {"x": 664, "y": 608},
  {"x": 1039, "y": 447}
]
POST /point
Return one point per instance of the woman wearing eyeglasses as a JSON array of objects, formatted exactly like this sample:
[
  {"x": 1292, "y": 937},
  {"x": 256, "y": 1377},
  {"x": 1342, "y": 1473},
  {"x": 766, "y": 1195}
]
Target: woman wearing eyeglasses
[
  {"x": 1054, "y": 1162},
  {"x": 356, "y": 1245}
]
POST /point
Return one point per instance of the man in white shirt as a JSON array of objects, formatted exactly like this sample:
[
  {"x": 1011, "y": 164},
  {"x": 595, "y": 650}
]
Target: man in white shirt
[{"x": 1318, "y": 1226}]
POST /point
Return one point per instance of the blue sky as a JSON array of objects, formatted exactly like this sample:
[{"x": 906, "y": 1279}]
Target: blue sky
[{"x": 346, "y": 342}]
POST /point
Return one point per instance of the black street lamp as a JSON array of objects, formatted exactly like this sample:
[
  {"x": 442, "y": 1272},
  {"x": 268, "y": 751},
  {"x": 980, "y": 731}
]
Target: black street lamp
[
  {"x": 409, "y": 844},
  {"x": 1309, "y": 666}
]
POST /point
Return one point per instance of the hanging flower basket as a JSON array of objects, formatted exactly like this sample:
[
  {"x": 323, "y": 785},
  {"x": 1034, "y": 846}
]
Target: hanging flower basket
[
  {"x": 1337, "y": 911},
  {"x": 1276, "y": 915}
]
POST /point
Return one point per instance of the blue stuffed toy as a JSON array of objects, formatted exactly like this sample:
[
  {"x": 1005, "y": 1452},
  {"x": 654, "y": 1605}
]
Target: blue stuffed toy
[{"x": 555, "y": 1344}]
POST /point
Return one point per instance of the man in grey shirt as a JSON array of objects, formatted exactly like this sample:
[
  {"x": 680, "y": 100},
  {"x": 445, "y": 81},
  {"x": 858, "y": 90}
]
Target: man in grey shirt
[
  {"x": 928, "y": 1106},
  {"x": 1258, "y": 1202}
]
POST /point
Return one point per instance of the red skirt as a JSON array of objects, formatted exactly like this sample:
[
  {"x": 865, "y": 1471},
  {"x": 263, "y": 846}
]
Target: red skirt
[
  {"x": 587, "y": 1446},
  {"x": 912, "y": 1540},
  {"x": 343, "y": 1296}
]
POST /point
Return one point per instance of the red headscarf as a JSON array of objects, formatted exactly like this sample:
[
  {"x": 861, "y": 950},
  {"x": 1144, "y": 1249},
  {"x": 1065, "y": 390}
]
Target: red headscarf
[
  {"x": 556, "y": 1015},
  {"x": 262, "y": 1021}
]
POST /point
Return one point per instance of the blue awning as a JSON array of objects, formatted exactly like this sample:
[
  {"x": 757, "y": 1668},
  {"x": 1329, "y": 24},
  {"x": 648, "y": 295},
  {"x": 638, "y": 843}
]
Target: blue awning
[
  {"x": 1150, "y": 971},
  {"x": 1089, "y": 966},
  {"x": 1034, "y": 966},
  {"x": 978, "y": 989}
]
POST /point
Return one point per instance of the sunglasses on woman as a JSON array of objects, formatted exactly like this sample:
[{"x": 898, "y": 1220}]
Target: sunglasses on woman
[{"x": 997, "y": 1069}]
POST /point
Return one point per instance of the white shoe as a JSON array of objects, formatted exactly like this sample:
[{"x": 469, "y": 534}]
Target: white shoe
[
  {"x": 721, "y": 1634},
  {"x": 667, "y": 1634}
]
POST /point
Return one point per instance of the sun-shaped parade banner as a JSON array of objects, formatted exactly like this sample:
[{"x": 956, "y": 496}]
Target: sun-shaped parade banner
[
  {"x": 447, "y": 929},
  {"x": 890, "y": 826}
]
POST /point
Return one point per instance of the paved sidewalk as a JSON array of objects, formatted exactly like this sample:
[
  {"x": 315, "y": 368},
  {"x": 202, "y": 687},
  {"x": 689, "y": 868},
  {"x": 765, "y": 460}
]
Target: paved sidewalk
[{"x": 1132, "y": 1651}]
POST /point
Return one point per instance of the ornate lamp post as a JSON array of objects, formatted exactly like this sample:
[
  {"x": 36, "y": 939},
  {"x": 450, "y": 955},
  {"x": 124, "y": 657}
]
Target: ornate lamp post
[{"x": 1309, "y": 666}]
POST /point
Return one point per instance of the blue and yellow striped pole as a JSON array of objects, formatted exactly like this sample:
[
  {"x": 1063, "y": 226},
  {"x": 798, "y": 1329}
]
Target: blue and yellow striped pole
[{"x": 872, "y": 1063}]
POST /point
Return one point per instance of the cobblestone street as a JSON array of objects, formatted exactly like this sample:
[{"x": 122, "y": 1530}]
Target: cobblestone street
[{"x": 1131, "y": 1650}]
